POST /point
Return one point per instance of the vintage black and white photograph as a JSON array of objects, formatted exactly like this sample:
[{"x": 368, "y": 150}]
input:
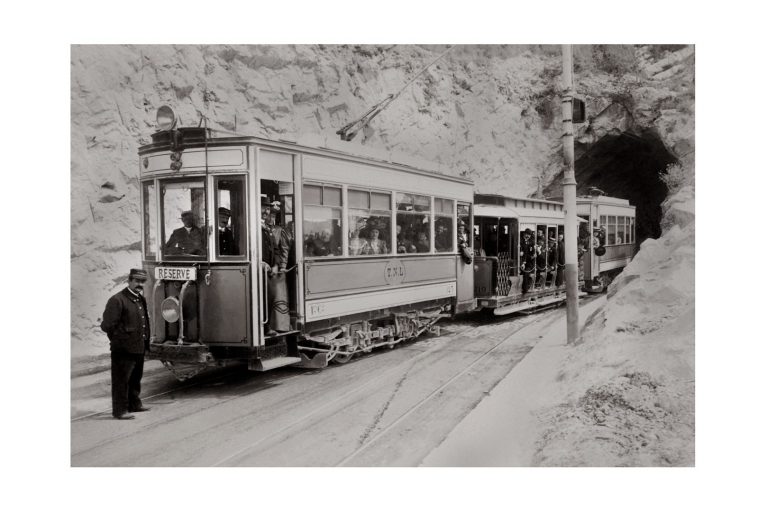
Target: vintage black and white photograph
[
  {"x": 401, "y": 256},
  {"x": 383, "y": 255}
]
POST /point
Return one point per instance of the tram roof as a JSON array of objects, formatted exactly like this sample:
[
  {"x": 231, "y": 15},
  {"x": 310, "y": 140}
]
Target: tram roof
[
  {"x": 370, "y": 156},
  {"x": 483, "y": 210},
  {"x": 603, "y": 200}
]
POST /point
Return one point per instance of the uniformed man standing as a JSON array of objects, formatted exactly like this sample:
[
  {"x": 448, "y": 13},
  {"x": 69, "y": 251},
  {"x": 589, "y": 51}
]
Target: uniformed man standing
[{"x": 126, "y": 323}]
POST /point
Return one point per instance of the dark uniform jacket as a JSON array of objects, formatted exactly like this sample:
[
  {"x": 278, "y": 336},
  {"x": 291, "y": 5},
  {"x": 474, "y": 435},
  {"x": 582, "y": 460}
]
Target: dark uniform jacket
[
  {"x": 267, "y": 246},
  {"x": 126, "y": 322},
  {"x": 527, "y": 255},
  {"x": 227, "y": 245},
  {"x": 541, "y": 257},
  {"x": 183, "y": 242}
]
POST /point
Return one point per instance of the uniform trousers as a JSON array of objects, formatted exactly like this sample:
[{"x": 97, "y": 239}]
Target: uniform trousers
[{"x": 127, "y": 370}]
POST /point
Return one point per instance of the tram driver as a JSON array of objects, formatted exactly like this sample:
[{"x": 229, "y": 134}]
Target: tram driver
[{"x": 187, "y": 240}]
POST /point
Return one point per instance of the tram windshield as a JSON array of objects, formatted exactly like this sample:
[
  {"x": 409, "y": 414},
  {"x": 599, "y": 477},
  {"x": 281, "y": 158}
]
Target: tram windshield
[{"x": 183, "y": 222}]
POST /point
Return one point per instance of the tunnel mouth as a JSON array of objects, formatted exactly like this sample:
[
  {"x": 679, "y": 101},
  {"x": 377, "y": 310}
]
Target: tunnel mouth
[{"x": 626, "y": 165}]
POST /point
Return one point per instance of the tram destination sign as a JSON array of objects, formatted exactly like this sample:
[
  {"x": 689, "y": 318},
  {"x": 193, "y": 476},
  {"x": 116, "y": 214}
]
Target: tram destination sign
[{"x": 176, "y": 273}]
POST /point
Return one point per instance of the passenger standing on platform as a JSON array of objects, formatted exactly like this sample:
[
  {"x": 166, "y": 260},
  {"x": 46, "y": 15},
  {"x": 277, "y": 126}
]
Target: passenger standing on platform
[
  {"x": 463, "y": 243},
  {"x": 527, "y": 259},
  {"x": 126, "y": 322},
  {"x": 560, "y": 259},
  {"x": 279, "y": 317},
  {"x": 552, "y": 261},
  {"x": 541, "y": 263}
]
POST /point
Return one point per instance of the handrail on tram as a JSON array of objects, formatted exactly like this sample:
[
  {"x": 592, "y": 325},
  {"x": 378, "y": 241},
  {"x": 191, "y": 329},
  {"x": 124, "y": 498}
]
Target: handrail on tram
[
  {"x": 181, "y": 312},
  {"x": 265, "y": 281}
]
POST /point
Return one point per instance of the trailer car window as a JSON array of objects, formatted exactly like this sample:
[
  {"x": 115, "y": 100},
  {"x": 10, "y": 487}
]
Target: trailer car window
[
  {"x": 620, "y": 231},
  {"x": 611, "y": 235}
]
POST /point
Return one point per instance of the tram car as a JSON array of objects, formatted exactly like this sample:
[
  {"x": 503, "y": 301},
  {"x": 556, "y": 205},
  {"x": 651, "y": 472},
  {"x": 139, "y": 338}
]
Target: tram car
[
  {"x": 274, "y": 254},
  {"x": 607, "y": 237},
  {"x": 374, "y": 255},
  {"x": 519, "y": 253}
]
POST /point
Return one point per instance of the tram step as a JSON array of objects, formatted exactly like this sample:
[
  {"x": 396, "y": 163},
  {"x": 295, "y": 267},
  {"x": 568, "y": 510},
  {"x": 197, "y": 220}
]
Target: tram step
[{"x": 262, "y": 365}]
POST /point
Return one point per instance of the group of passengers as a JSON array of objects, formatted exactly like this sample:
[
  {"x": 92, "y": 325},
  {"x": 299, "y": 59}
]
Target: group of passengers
[
  {"x": 541, "y": 265},
  {"x": 321, "y": 244},
  {"x": 369, "y": 243},
  {"x": 372, "y": 240}
]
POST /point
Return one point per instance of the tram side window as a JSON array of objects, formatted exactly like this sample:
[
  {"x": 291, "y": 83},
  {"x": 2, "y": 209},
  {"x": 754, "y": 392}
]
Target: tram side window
[
  {"x": 322, "y": 220},
  {"x": 620, "y": 231},
  {"x": 369, "y": 222},
  {"x": 611, "y": 234},
  {"x": 230, "y": 217},
  {"x": 149, "y": 204},
  {"x": 184, "y": 221},
  {"x": 632, "y": 229},
  {"x": 444, "y": 225},
  {"x": 413, "y": 230}
]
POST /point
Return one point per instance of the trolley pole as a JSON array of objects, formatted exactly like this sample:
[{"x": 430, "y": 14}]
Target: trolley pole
[{"x": 569, "y": 201}]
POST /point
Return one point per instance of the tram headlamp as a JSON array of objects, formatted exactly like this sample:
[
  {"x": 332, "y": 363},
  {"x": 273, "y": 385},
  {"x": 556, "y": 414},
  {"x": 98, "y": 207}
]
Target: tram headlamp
[
  {"x": 170, "y": 309},
  {"x": 166, "y": 119}
]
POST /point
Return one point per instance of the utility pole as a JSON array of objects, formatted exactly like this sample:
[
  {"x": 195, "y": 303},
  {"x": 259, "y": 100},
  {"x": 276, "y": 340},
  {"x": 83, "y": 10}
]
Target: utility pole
[{"x": 569, "y": 201}]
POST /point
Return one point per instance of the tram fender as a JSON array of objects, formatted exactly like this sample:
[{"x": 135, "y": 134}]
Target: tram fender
[
  {"x": 319, "y": 360},
  {"x": 186, "y": 353}
]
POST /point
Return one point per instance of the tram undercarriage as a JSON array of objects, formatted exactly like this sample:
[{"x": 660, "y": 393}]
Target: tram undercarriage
[
  {"x": 323, "y": 342},
  {"x": 341, "y": 343}
]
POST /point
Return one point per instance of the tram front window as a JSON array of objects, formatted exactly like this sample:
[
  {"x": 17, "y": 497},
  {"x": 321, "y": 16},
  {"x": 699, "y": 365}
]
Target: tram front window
[{"x": 183, "y": 207}]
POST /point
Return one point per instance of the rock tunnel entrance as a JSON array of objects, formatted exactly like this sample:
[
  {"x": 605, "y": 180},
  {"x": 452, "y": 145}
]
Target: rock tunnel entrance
[{"x": 627, "y": 166}]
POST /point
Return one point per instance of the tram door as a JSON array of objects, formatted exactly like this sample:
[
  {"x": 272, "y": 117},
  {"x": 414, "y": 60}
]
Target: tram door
[{"x": 277, "y": 291}]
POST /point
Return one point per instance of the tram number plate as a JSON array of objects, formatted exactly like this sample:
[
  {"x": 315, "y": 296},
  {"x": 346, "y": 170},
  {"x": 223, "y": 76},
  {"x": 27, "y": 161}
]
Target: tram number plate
[{"x": 176, "y": 273}]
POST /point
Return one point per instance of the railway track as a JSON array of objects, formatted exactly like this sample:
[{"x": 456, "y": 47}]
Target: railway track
[{"x": 352, "y": 396}]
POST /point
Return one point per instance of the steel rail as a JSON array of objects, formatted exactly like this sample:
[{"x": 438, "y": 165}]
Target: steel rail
[
  {"x": 427, "y": 398},
  {"x": 316, "y": 414}
]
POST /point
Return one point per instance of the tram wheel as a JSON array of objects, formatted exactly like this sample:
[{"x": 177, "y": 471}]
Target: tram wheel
[{"x": 342, "y": 358}]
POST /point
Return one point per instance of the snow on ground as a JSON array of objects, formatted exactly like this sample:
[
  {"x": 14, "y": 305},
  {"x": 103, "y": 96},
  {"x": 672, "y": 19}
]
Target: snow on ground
[{"x": 628, "y": 388}]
